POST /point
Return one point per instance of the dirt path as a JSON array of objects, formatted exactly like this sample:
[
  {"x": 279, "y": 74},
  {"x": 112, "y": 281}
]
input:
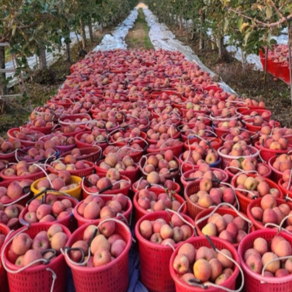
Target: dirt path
[{"x": 137, "y": 37}]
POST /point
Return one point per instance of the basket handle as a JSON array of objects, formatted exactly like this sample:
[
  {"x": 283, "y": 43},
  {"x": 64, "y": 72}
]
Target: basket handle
[
  {"x": 209, "y": 284},
  {"x": 227, "y": 205},
  {"x": 280, "y": 225},
  {"x": 180, "y": 216},
  {"x": 271, "y": 261}
]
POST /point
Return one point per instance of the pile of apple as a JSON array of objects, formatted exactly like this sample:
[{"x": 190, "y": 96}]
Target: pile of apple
[
  {"x": 226, "y": 125},
  {"x": 202, "y": 264},
  {"x": 274, "y": 142},
  {"x": 200, "y": 155},
  {"x": 248, "y": 164},
  {"x": 69, "y": 162},
  {"x": 79, "y": 107},
  {"x": 151, "y": 202},
  {"x": 26, "y": 134},
  {"x": 53, "y": 140},
  {"x": 53, "y": 209},
  {"x": 160, "y": 231},
  {"x": 25, "y": 250},
  {"x": 169, "y": 185},
  {"x": 162, "y": 132},
  {"x": 236, "y": 134},
  {"x": 9, "y": 215},
  {"x": 111, "y": 180},
  {"x": 60, "y": 182},
  {"x": 256, "y": 186},
  {"x": 8, "y": 147},
  {"x": 124, "y": 137},
  {"x": 105, "y": 247},
  {"x": 198, "y": 128},
  {"x": 158, "y": 165},
  {"x": 94, "y": 207},
  {"x": 115, "y": 160},
  {"x": 204, "y": 171},
  {"x": 283, "y": 162},
  {"x": 162, "y": 144},
  {"x": 255, "y": 114},
  {"x": 40, "y": 151},
  {"x": 14, "y": 190},
  {"x": 96, "y": 136},
  {"x": 133, "y": 149},
  {"x": 238, "y": 149},
  {"x": 40, "y": 122},
  {"x": 77, "y": 120},
  {"x": 270, "y": 212},
  {"x": 20, "y": 169},
  {"x": 70, "y": 129},
  {"x": 47, "y": 113},
  {"x": 226, "y": 227},
  {"x": 264, "y": 251},
  {"x": 209, "y": 194}
]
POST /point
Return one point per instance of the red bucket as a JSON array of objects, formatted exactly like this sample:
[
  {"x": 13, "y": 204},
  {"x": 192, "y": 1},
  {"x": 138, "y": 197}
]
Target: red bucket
[
  {"x": 154, "y": 258},
  {"x": 90, "y": 153},
  {"x": 257, "y": 203},
  {"x": 37, "y": 278},
  {"x": 244, "y": 200},
  {"x": 197, "y": 242},
  {"x": 3, "y": 275},
  {"x": 111, "y": 277},
  {"x": 254, "y": 281},
  {"x": 140, "y": 212}
]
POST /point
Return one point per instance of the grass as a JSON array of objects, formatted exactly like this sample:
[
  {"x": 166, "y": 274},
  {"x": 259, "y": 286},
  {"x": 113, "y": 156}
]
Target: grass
[{"x": 138, "y": 36}]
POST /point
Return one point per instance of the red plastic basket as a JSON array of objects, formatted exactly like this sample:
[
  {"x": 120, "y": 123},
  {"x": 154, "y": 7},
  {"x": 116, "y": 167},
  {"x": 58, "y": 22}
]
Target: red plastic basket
[
  {"x": 81, "y": 220},
  {"x": 197, "y": 242},
  {"x": 276, "y": 174},
  {"x": 68, "y": 221},
  {"x": 140, "y": 212},
  {"x": 135, "y": 190},
  {"x": 253, "y": 281},
  {"x": 257, "y": 203},
  {"x": 38, "y": 278},
  {"x": 193, "y": 208},
  {"x": 154, "y": 258},
  {"x": 73, "y": 118},
  {"x": 244, "y": 200},
  {"x": 3, "y": 275},
  {"x": 266, "y": 154},
  {"x": 111, "y": 277},
  {"x": 260, "y": 112},
  {"x": 86, "y": 191},
  {"x": 254, "y": 137},
  {"x": 221, "y": 211},
  {"x": 10, "y": 157},
  {"x": 25, "y": 143},
  {"x": 284, "y": 190},
  {"x": 90, "y": 153}
]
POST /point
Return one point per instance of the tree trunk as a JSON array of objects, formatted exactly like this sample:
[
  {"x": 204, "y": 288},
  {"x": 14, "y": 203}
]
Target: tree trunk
[
  {"x": 68, "y": 51},
  {"x": 3, "y": 87},
  {"x": 90, "y": 30},
  {"x": 221, "y": 48},
  {"x": 42, "y": 58},
  {"x": 83, "y": 35},
  {"x": 201, "y": 40}
]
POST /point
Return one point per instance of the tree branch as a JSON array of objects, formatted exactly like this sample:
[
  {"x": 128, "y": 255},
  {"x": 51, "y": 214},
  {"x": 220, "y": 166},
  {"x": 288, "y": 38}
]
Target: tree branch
[{"x": 260, "y": 23}]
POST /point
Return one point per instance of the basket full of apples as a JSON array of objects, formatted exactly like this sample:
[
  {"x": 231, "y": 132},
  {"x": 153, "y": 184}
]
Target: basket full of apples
[
  {"x": 4, "y": 230},
  {"x": 203, "y": 263},
  {"x": 158, "y": 234},
  {"x": 33, "y": 253},
  {"x": 265, "y": 257},
  {"x": 99, "y": 256}
]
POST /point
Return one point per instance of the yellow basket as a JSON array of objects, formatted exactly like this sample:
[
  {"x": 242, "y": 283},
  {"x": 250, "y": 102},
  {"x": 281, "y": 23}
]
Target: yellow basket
[{"x": 76, "y": 192}]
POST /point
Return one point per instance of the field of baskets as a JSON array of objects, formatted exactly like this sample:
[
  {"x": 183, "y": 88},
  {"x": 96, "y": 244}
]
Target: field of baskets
[{"x": 145, "y": 144}]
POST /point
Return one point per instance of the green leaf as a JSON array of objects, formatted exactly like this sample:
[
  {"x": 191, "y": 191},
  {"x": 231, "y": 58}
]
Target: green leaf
[{"x": 246, "y": 37}]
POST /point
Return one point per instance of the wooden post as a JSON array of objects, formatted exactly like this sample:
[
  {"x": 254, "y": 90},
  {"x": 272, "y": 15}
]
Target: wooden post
[
  {"x": 42, "y": 58},
  {"x": 83, "y": 35},
  {"x": 3, "y": 75},
  {"x": 90, "y": 30}
]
